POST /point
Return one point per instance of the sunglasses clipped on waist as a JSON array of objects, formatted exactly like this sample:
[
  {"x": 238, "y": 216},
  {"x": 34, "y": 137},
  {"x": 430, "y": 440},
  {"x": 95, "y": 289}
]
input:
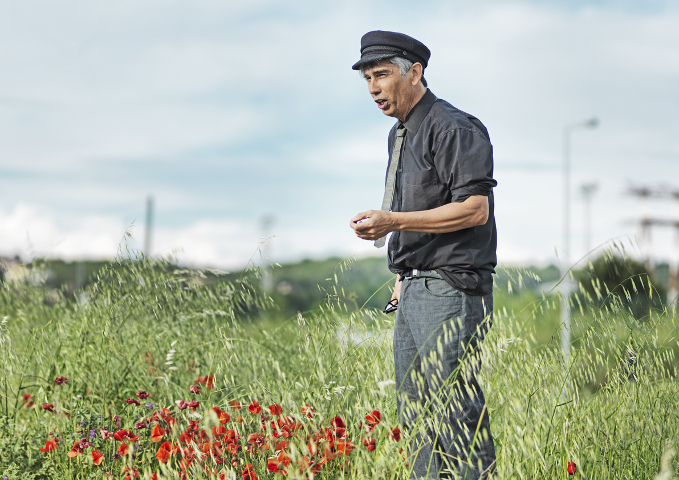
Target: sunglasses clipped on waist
[{"x": 392, "y": 306}]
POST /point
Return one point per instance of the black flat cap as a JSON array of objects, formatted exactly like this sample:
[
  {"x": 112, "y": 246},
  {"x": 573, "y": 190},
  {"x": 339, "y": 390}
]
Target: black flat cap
[{"x": 379, "y": 45}]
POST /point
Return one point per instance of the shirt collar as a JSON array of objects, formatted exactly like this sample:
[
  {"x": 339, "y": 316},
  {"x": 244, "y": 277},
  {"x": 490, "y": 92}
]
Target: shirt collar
[{"x": 419, "y": 111}]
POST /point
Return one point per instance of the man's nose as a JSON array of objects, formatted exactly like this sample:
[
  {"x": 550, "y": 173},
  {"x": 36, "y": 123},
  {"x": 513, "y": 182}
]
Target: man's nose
[{"x": 373, "y": 87}]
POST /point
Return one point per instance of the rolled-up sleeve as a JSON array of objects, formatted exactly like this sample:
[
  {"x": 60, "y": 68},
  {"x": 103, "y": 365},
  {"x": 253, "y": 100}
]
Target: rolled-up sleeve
[{"x": 464, "y": 162}]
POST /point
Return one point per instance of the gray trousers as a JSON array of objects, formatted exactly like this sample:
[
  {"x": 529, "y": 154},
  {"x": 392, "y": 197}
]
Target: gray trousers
[{"x": 436, "y": 356}]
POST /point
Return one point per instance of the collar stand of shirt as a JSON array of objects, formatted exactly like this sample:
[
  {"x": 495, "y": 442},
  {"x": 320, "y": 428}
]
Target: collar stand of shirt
[{"x": 418, "y": 112}]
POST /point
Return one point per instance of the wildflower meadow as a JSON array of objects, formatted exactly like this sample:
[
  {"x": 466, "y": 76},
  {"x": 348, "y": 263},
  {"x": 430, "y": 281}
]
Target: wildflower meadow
[{"x": 152, "y": 372}]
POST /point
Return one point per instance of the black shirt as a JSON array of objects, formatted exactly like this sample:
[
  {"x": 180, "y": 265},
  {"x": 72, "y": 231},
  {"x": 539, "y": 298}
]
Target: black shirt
[{"x": 446, "y": 157}]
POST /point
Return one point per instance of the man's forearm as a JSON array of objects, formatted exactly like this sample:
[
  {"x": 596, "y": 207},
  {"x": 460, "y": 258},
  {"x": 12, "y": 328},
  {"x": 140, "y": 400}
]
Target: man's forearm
[{"x": 447, "y": 218}]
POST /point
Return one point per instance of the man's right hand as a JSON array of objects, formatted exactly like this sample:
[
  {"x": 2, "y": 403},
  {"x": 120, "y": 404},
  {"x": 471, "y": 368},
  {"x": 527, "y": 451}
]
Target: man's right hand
[{"x": 397, "y": 289}]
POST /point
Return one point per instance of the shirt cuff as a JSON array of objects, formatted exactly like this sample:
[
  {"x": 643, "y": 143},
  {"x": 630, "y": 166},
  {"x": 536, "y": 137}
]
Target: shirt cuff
[{"x": 463, "y": 193}]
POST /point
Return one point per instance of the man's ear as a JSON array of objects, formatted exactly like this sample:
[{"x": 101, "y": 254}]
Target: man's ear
[{"x": 416, "y": 71}]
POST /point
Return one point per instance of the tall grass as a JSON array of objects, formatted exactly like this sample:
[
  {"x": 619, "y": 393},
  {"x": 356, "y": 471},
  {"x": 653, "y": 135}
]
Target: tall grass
[{"x": 146, "y": 325}]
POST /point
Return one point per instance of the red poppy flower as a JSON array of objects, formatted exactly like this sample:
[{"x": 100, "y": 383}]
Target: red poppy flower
[
  {"x": 181, "y": 405},
  {"x": 50, "y": 445},
  {"x": 193, "y": 404},
  {"x": 163, "y": 453},
  {"x": 60, "y": 380},
  {"x": 75, "y": 450},
  {"x": 373, "y": 418},
  {"x": 572, "y": 468},
  {"x": 123, "y": 449},
  {"x": 279, "y": 463},
  {"x": 157, "y": 433},
  {"x": 121, "y": 435},
  {"x": 396, "y": 434},
  {"x": 49, "y": 407},
  {"x": 207, "y": 380},
  {"x": 195, "y": 389},
  {"x": 193, "y": 426},
  {"x": 97, "y": 457},
  {"x": 231, "y": 436},
  {"x": 142, "y": 394},
  {"x": 344, "y": 447},
  {"x": 282, "y": 445},
  {"x": 248, "y": 473},
  {"x": 153, "y": 476},
  {"x": 307, "y": 411},
  {"x": 140, "y": 425},
  {"x": 275, "y": 409},
  {"x": 256, "y": 439},
  {"x": 28, "y": 403},
  {"x": 338, "y": 422},
  {"x": 235, "y": 405},
  {"x": 131, "y": 473},
  {"x": 254, "y": 407},
  {"x": 105, "y": 434},
  {"x": 369, "y": 443},
  {"x": 133, "y": 401}
]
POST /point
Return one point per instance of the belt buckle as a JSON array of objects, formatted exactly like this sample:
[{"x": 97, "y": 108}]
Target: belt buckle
[{"x": 413, "y": 273}]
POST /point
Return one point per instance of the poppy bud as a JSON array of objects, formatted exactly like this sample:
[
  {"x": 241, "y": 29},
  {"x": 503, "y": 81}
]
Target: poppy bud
[{"x": 572, "y": 468}]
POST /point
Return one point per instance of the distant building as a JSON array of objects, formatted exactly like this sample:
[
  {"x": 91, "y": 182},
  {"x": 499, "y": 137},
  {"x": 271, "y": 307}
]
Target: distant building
[{"x": 12, "y": 269}]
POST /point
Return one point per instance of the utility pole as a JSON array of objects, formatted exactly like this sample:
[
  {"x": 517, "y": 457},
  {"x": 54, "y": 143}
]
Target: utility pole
[
  {"x": 588, "y": 190},
  {"x": 646, "y": 224},
  {"x": 149, "y": 226},
  {"x": 266, "y": 222},
  {"x": 566, "y": 308}
]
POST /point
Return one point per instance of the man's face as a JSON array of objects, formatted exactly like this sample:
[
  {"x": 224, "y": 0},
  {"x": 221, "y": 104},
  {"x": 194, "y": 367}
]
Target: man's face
[{"x": 391, "y": 91}]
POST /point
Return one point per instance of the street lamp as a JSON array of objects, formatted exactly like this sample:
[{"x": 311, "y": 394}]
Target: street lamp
[
  {"x": 593, "y": 123},
  {"x": 587, "y": 190},
  {"x": 566, "y": 290}
]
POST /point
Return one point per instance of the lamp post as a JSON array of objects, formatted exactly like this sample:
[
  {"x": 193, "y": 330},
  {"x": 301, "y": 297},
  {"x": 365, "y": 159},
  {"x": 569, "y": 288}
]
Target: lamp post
[
  {"x": 566, "y": 290},
  {"x": 149, "y": 226},
  {"x": 588, "y": 190}
]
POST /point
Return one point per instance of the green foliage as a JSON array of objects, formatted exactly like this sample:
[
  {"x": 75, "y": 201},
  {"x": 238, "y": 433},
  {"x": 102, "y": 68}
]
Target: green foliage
[
  {"x": 148, "y": 325},
  {"x": 611, "y": 277}
]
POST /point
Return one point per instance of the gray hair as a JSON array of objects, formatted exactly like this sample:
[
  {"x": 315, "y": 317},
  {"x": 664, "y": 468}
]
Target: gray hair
[{"x": 403, "y": 65}]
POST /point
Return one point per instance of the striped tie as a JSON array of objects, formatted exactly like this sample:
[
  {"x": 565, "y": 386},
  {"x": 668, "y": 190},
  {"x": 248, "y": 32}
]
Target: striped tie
[{"x": 391, "y": 177}]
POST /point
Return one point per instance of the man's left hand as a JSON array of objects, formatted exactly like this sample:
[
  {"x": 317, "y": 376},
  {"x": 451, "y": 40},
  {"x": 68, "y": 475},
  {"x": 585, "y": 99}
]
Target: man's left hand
[{"x": 373, "y": 224}]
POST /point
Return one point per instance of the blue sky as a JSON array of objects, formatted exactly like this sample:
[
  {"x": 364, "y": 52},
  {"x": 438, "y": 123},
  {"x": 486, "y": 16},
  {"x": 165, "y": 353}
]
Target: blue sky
[{"x": 227, "y": 112}]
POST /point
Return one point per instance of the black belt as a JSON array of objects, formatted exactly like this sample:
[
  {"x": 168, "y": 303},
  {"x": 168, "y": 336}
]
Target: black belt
[{"x": 419, "y": 273}]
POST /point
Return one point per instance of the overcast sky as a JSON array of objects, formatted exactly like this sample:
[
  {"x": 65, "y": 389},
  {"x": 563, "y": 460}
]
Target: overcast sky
[{"x": 229, "y": 112}]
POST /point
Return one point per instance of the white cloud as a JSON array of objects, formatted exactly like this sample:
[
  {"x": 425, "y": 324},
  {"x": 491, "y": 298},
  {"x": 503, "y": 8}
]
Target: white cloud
[
  {"x": 29, "y": 232},
  {"x": 86, "y": 84}
]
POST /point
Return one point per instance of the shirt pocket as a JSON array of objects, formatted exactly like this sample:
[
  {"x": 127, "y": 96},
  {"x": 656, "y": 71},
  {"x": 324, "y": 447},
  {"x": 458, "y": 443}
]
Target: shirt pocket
[{"x": 420, "y": 191}]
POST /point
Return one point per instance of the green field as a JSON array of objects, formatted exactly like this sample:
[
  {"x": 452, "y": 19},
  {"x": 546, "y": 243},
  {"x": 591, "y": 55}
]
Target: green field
[{"x": 149, "y": 326}]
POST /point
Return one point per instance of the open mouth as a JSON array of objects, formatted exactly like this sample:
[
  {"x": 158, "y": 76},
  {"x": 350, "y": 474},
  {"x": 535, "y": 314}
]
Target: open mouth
[{"x": 381, "y": 103}]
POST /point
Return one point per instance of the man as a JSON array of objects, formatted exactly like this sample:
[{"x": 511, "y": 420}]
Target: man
[{"x": 439, "y": 204}]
